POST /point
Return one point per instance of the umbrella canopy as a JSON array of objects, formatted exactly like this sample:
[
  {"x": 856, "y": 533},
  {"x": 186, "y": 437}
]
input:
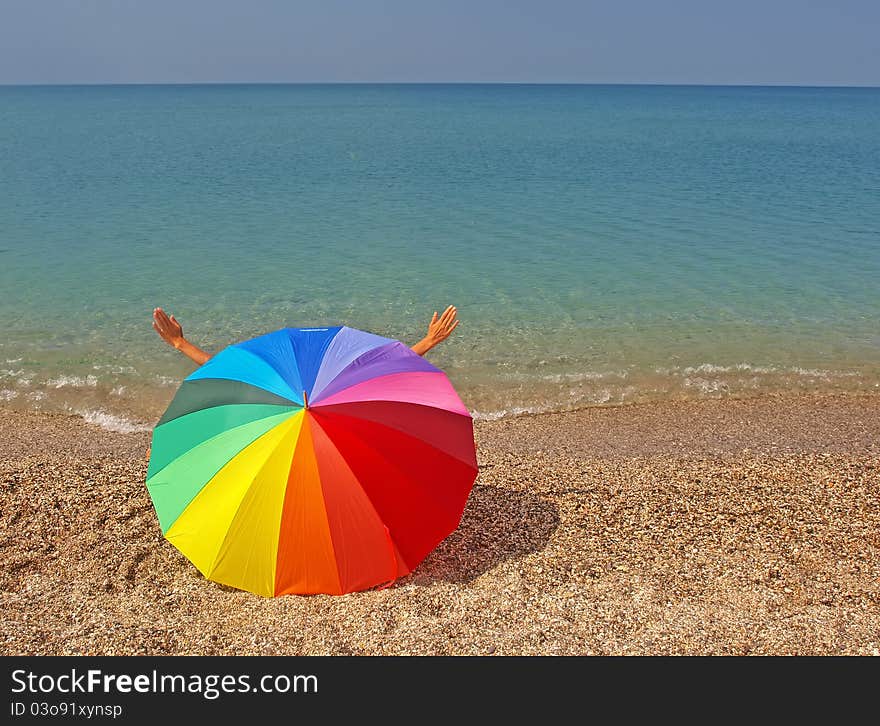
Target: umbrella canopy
[{"x": 311, "y": 460}]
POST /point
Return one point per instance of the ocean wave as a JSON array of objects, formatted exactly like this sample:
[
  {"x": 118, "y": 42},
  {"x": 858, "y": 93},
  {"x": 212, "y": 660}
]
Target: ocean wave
[
  {"x": 63, "y": 381},
  {"x": 112, "y": 422},
  {"x": 812, "y": 372},
  {"x": 22, "y": 377},
  {"x": 704, "y": 385},
  {"x": 738, "y": 368},
  {"x": 114, "y": 368},
  {"x": 603, "y": 396},
  {"x": 708, "y": 368},
  {"x": 513, "y": 411},
  {"x": 574, "y": 377},
  {"x": 576, "y": 400},
  {"x": 583, "y": 376}
]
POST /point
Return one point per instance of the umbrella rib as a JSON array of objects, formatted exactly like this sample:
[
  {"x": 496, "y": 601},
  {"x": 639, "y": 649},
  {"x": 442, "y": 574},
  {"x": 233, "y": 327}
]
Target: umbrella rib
[
  {"x": 391, "y": 464},
  {"x": 306, "y": 422},
  {"x": 219, "y": 433},
  {"x": 218, "y": 361},
  {"x": 418, "y": 364},
  {"x": 353, "y": 414},
  {"x": 213, "y": 438},
  {"x": 356, "y": 480},
  {"x": 379, "y": 342},
  {"x": 403, "y": 473},
  {"x": 215, "y": 561},
  {"x": 197, "y": 395}
]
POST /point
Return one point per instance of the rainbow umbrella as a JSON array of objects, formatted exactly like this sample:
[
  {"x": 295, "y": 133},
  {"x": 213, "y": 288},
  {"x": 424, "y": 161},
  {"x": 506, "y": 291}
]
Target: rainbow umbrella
[{"x": 311, "y": 460}]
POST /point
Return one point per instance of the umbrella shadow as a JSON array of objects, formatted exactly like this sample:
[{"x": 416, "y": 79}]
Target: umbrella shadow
[{"x": 497, "y": 525}]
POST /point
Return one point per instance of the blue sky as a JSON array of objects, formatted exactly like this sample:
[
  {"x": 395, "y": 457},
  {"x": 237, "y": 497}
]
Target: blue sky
[{"x": 836, "y": 42}]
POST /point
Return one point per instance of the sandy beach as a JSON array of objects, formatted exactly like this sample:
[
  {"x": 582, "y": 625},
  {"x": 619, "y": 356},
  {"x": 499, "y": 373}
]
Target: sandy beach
[{"x": 709, "y": 527}]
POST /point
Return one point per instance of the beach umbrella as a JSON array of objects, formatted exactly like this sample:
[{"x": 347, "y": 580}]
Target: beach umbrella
[{"x": 311, "y": 460}]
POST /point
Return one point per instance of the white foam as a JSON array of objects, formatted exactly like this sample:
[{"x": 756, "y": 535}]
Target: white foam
[
  {"x": 117, "y": 391},
  {"x": 73, "y": 381},
  {"x": 713, "y": 368},
  {"x": 814, "y": 373},
  {"x": 704, "y": 385},
  {"x": 113, "y": 368},
  {"x": 504, "y": 412},
  {"x": 576, "y": 398},
  {"x": 36, "y": 395},
  {"x": 13, "y": 360},
  {"x": 566, "y": 377},
  {"x": 603, "y": 396},
  {"x": 7, "y": 394},
  {"x": 709, "y": 368},
  {"x": 112, "y": 422},
  {"x": 706, "y": 368},
  {"x": 755, "y": 369},
  {"x": 584, "y": 376}
]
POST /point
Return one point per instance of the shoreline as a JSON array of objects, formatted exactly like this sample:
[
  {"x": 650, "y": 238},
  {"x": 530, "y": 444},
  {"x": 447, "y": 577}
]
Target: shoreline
[
  {"x": 713, "y": 526},
  {"x": 119, "y": 402},
  {"x": 763, "y": 400}
]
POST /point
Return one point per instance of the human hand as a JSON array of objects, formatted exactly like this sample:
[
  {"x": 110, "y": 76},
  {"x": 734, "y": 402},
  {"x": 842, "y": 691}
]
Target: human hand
[
  {"x": 440, "y": 328},
  {"x": 168, "y": 328}
]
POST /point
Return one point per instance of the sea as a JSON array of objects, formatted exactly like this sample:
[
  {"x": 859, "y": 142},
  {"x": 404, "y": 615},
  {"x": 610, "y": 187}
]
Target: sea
[{"x": 604, "y": 245}]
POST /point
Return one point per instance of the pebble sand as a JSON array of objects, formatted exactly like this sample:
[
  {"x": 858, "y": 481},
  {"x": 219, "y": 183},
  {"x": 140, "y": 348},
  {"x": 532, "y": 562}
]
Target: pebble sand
[{"x": 711, "y": 527}]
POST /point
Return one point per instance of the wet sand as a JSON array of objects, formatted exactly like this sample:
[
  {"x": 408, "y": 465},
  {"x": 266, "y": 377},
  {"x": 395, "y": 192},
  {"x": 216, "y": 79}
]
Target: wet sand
[{"x": 710, "y": 527}]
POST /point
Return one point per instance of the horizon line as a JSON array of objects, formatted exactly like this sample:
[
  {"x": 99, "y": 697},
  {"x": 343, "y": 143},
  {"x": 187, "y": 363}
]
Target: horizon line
[{"x": 437, "y": 83}]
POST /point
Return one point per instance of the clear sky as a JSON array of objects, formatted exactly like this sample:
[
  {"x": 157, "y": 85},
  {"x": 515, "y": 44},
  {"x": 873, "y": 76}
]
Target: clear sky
[{"x": 803, "y": 42}]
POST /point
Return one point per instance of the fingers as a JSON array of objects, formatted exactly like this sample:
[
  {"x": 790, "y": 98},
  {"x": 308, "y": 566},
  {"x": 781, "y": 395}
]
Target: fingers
[
  {"x": 448, "y": 316},
  {"x": 441, "y": 327},
  {"x": 161, "y": 329},
  {"x": 168, "y": 327},
  {"x": 164, "y": 326},
  {"x": 161, "y": 319}
]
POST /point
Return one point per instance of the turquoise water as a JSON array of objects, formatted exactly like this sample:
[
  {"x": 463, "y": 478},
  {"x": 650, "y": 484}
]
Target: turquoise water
[{"x": 603, "y": 244}]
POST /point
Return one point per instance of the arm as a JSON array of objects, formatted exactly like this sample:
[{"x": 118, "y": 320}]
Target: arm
[
  {"x": 172, "y": 333},
  {"x": 439, "y": 330}
]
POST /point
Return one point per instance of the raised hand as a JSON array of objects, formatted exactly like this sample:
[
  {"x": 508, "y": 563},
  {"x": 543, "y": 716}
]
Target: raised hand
[
  {"x": 168, "y": 328},
  {"x": 439, "y": 329},
  {"x": 172, "y": 333}
]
